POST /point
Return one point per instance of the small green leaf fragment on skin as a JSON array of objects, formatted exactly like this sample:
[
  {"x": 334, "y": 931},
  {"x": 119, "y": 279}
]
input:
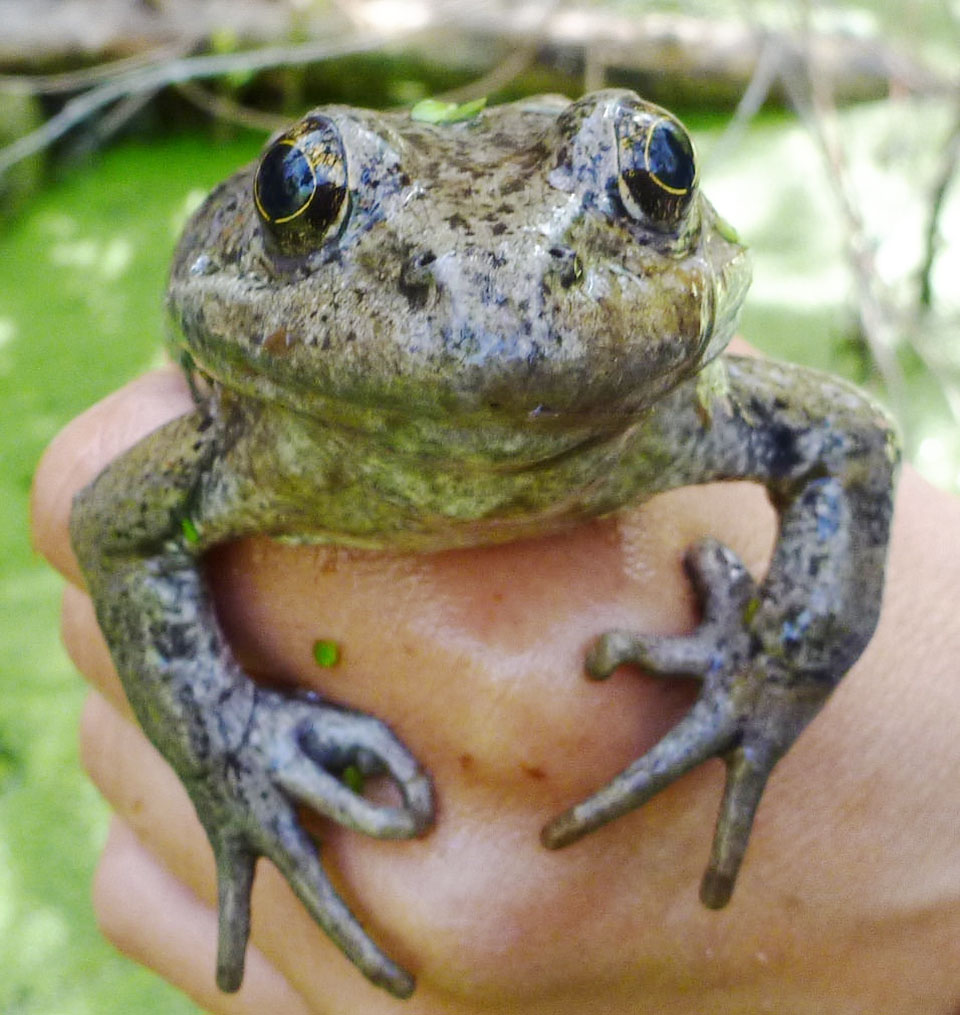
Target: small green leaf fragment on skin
[
  {"x": 437, "y": 111},
  {"x": 190, "y": 532},
  {"x": 325, "y": 652},
  {"x": 726, "y": 230},
  {"x": 352, "y": 778}
]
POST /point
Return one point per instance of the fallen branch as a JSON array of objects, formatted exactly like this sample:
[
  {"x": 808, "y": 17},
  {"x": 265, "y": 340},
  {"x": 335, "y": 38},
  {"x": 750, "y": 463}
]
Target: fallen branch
[{"x": 170, "y": 72}]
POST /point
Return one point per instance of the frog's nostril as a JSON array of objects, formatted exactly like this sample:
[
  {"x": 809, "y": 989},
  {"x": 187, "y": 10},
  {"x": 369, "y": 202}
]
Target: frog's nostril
[
  {"x": 569, "y": 267},
  {"x": 416, "y": 279},
  {"x": 423, "y": 259}
]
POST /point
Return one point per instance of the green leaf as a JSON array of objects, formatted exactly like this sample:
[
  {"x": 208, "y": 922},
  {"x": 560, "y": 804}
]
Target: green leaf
[
  {"x": 353, "y": 779},
  {"x": 727, "y": 231},
  {"x": 326, "y": 653},
  {"x": 436, "y": 111}
]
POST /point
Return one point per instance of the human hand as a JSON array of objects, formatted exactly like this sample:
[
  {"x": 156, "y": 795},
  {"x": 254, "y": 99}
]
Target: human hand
[{"x": 848, "y": 897}]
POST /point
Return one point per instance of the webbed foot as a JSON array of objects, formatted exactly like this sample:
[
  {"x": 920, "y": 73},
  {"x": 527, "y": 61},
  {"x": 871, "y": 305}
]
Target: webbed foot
[
  {"x": 749, "y": 711},
  {"x": 294, "y": 751}
]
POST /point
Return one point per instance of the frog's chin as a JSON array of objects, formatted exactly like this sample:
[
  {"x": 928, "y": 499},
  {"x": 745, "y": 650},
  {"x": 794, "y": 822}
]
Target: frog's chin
[{"x": 559, "y": 517}]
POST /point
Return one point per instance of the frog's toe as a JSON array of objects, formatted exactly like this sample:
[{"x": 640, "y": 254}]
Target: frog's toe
[
  {"x": 296, "y": 857},
  {"x": 708, "y": 729},
  {"x": 725, "y": 589},
  {"x": 296, "y": 750},
  {"x": 322, "y": 743},
  {"x": 235, "y": 869},
  {"x": 747, "y": 771}
]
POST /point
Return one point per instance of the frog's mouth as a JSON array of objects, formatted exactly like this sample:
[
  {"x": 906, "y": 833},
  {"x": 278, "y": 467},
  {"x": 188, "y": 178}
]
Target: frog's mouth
[
  {"x": 482, "y": 443},
  {"x": 731, "y": 280}
]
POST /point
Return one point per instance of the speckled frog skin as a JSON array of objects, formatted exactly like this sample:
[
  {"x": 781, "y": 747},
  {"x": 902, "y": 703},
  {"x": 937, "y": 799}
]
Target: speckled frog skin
[{"x": 425, "y": 335}]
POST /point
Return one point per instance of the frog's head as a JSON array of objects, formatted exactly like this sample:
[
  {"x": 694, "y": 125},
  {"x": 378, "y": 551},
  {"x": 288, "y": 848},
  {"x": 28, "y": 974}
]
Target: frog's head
[{"x": 542, "y": 261}]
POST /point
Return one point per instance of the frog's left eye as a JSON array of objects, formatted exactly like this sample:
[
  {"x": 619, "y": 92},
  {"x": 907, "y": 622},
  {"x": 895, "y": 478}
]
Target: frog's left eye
[
  {"x": 301, "y": 186},
  {"x": 658, "y": 167}
]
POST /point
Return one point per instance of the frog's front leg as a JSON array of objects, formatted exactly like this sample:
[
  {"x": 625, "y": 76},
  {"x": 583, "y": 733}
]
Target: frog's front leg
[
  {"x": 247, "y": 755},
  {"x": 767, "y": 657}
]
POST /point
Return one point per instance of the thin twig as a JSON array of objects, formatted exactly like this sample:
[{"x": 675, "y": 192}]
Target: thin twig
[
  {"x": 765, "y": 73},
  {"x": 594, "y": 68},
  {"x": 172, "y": 72},
  {"x": 223, "y": 108},
  {"x": 121, "y": 114},
  {"x": 512, "y": 66},
  {"x": 810, "y": 93},
  {"x": 77, "y": 80},
  {"x": 948, "y": 170}
]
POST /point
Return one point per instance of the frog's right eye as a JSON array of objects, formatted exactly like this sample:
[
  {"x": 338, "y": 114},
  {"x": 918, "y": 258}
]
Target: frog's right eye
[
  {"x": 658, "y": 166},
  {"x": 300, "y": 188}
]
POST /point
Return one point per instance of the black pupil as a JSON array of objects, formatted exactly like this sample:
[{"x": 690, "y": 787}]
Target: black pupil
[
  {"x": 285, "y": 182},
  {"x": 670, "y": 157}
]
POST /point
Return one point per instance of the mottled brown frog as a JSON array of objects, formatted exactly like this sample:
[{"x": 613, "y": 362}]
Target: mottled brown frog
[{"x": 423, "y": 335}]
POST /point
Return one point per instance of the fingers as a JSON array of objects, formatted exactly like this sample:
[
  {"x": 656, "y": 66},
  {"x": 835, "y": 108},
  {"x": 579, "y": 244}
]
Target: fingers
[
  {"x": 82, "y": 449},
  {"x": 87, "y": 649},
  {"x": 153, "y": 918},
  {"x": 145, "y": 793}
]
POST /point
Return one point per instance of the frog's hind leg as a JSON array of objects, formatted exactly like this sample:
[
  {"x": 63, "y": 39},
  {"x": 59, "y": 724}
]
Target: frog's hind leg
[{"x": 711, "y": 728}]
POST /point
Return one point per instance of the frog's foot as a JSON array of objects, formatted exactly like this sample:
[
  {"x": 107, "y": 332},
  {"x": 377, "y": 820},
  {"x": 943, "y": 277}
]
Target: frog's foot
[
  {"x": 739, "y": 716},
  {"x": 294, "y": 752}
]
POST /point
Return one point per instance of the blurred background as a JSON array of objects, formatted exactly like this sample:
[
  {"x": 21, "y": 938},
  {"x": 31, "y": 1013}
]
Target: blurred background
[{"x": 829, "y": 135}]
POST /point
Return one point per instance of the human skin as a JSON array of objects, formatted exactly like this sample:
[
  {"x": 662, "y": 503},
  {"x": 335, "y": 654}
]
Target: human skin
[{"x": 849, "y": 900}]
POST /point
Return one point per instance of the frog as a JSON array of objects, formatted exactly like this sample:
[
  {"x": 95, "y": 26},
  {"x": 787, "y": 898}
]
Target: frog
[{"x": 416, "y": 334}]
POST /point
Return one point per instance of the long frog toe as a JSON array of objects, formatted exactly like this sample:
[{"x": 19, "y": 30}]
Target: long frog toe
[
  {"x": 236, "y": 863},
  {"x": 296, "y": 857},
  {"x": 707, "y": 730},
  {"x": 747, "y": 773},
  {"x": 311, "y": 744},
  {"x": 293, "y": 852}
]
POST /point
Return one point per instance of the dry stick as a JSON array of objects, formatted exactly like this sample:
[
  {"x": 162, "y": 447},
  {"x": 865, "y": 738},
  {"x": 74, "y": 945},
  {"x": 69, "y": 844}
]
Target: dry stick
[
  {"x": 75, "y": 80},
  {"x": 121, "y": 114},
  {"x": 223, "y": 108},
  {"x": 594, "y": 68},
  {"x": 174, "y": 72},
  {"x": 512, "y": 66},
  {"x": 931, "y": 353},
  {"x": 765, "y": 73},
  {"x": 951, "y": 161},
  {"x": 815, "y": 107},
  {"x": 876, "y": 316}
]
